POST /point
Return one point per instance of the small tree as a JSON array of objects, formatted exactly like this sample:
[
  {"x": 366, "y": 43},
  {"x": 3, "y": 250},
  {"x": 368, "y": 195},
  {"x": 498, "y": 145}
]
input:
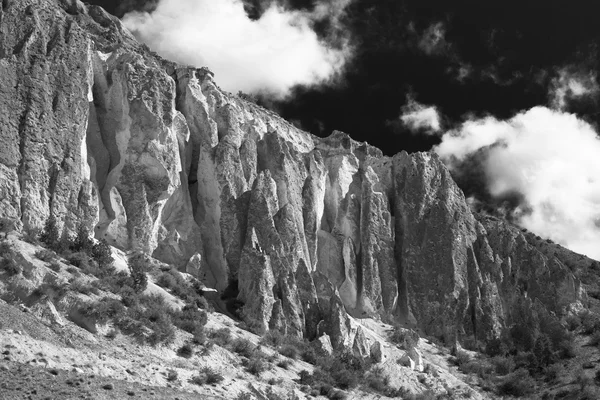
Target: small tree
[
  {"x": 7, "y": 225},
  {"x": 82, "y": 241},
  {"x": 102, "y": 254},
  {"x": 50, "y": 235},
  {"x": 542, "y": 350},
  {"x": 137, "y": 267}
]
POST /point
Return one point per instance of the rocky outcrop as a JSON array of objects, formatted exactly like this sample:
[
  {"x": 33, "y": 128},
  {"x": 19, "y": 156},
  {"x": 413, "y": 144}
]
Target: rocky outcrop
[{"x": 304, "y": 232}]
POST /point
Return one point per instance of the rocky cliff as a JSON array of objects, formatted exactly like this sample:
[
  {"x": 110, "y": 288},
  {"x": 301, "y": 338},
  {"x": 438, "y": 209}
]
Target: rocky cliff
[{"x": 300, "y": 231}]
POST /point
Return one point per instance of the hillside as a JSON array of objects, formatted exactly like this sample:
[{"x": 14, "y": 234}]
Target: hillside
[{"x": 127, "y": 167}]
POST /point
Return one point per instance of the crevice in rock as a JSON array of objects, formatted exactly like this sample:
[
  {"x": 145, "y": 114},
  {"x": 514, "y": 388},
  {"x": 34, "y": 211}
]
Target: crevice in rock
[
  {"x": 22, "y": 145},
  {"x": 5, "y": 4},
  {"x": 23, "y": 42},
  {"x": 55, "y": 102},
  {"x": 51, "y": 44},
  {"x": 190, "y": 153},
  {"x": 52, "y": 181}
]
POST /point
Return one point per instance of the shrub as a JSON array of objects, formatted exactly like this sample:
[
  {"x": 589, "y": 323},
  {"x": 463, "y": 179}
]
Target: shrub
[
  {"x": 55, "y": 266},
  {"x": 289, "y": 351},
  {"x": 221, "y": 336},
  {"x": 589, "y": 322},
  {"x": 566, "y": 349},
  {"x": 53, "y": 291},
  {"x": 284, "y": 363},
  {"x": 542, "y": 350},
  {"x": 518, "y": 384},
  {"x": 573, "y": 322},
  {"x": 406, "y": 339},
  {"x": 45, "y": 255},
  {"x": 102, "y": 254},
  {"x": 10, "y": 266},
  {"x": 189, "y": 319},
  {"x": 553, "y": 372},
  {"x": 172, "y": 375},
  {"x": 381, "y": 384},
  {"x": 31, "y": 236},
  {"x": 243, "y": 347},
  {"x": 80, "y": 260},
  {"x": 207, "y": 376},
  {"x": 199, "y": 336},
  {"x": 137, "y": 267},
  {"x": 5, "y": 249},
  {"x": 503, "y": 365},
  {"x": 185, "y": 351},
  {"x": 50, "y": 235},
  {"x": 7, "y": 225},
  {"x": 112, "y": 334},
  {"x": 273, "y": 339},
  {"x": 496, "y": 347},
  {"x": 256, "y": 364},
  {"x": 102, "y": 310},
  {"x": 83, "y": 287},
  {"x": 82, "y": 241}
]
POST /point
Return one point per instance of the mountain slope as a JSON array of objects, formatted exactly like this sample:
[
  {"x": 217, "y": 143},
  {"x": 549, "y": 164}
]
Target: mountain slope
[{"x": 296, "y": 232}]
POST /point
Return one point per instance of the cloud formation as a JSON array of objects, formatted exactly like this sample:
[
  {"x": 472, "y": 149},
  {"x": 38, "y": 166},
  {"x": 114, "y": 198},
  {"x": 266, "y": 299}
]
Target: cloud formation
[
  {"x": 570, "y": 85},
  {"x": 271, "y": 54},
  {"x": 549, "y": 159},
  {"x": 420, "y": 118}
]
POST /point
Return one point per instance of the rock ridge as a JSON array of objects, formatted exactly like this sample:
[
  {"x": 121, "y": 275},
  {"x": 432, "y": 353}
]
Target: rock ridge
[{"x": 299, "y": 233}]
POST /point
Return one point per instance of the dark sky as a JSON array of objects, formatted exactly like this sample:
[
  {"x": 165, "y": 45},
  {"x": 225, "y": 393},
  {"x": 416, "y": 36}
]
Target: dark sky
[{"x": 512, "y": 50}]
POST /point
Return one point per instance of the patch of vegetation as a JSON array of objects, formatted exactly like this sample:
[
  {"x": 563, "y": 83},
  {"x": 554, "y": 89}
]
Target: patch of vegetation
[
  {"x": 379, "y": 383},
  {"x": 221, "y": 337},
  {"x": 207, "y": 376},
  {"x": 5, "y": 249},
  {"x": 53, "y": 291},
  {"x": 290, "y": 346},
  {"x": 84, "y": 287},
  {"x": 404, "y": 338},
  {"x": 243, "y": 347},
  {"x": 172, "y": 375},
  {"x": 46, "y": 255},
  {"x": 137, "y": 268},
  {"x": 256, "y": 364},
  {"x": 518, "y": 384},
  {"x": 185, "y": 351},
  {"x": 189, "y": 319},
  {"x": 55, "y": 266},
  {"x": 148, "y": 319},
  {"x": 342, "y": 370},
  {"x": 10, "y": 266}
]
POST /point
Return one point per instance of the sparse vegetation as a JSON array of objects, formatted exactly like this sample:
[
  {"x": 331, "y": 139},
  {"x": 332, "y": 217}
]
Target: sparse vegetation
[
  {"x": 137, "y": 269},
  {"x": 518, "y": 384},
  {"x": 45, "y": 255},
  {"x": 185, "y": 351},
  {"x": 55, "y": 266},
  {"x": 207, "y": 376},
  {"x": 10, "y": 266},
  {"x": 404, "y": 338}
]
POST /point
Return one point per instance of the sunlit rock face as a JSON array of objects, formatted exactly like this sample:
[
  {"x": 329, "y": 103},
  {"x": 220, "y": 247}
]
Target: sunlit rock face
[{"x": 304, "y": 232}]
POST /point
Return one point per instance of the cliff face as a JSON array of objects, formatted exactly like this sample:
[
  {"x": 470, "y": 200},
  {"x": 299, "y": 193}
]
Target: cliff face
[{"x": 96, "y": 129}]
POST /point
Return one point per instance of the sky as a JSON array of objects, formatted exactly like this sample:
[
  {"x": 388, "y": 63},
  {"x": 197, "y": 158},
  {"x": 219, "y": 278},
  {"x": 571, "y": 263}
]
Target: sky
[{"x": 505, "y": 92}]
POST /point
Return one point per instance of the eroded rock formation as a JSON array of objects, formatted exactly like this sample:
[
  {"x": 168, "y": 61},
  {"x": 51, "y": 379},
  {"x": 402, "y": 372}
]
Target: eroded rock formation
[{"x": 97, "y": 129}]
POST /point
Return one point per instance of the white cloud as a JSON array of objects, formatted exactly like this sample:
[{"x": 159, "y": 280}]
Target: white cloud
[
  {"x": 420, "y": 118},
  {"x": 569, "y": 85},
  {"x": 551, "y": 158},
  {"x": 433, "y": 40},
  {"x": 273, "y": 53}
]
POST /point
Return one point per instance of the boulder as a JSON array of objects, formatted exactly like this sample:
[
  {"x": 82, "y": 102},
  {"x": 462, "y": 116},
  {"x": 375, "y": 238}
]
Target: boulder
[
  {"x": 360, "y": 346},
  {"x": 46, "y": 311},
  {"x": 377, "y": 352},
  {"x": 323, "y": 345}
]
